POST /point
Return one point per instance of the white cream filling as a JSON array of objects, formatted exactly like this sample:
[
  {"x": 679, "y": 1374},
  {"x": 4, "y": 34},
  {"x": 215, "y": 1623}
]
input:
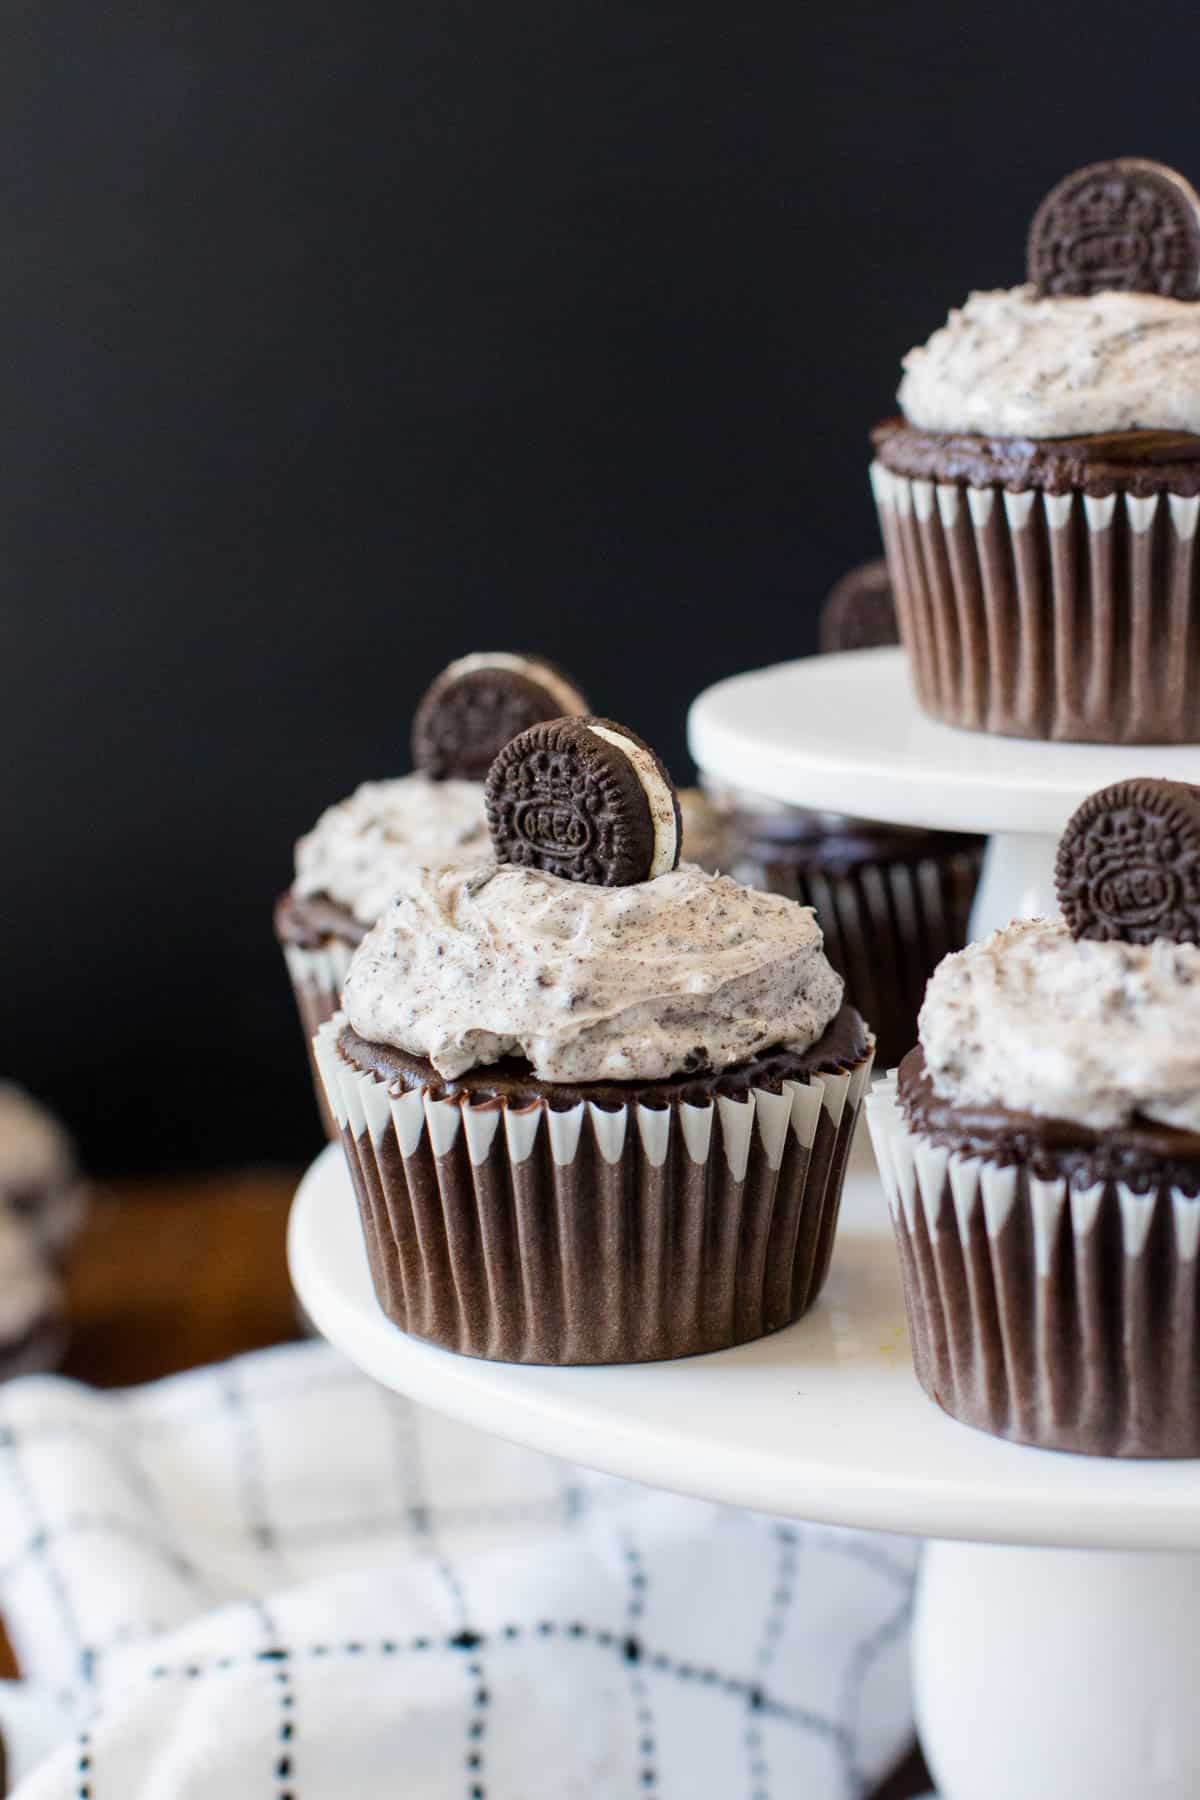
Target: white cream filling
[
  {"x": 659, "y": 799},
  {"x": 569, "y": 698}
]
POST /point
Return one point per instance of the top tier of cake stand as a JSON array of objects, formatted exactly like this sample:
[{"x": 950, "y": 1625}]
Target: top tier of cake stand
[{"x": 844, "y": 734}]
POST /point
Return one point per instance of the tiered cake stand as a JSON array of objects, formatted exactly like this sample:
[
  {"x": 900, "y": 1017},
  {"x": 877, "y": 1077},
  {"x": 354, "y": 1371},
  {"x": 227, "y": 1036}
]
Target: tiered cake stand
[{"x": 1055, "y": 1637}]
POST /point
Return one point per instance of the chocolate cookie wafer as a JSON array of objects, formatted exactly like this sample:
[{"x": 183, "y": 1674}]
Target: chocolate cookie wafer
[
  {"x": 1128, "y": 865},
  {"x": 479, "y": 703},
  {"x": 586, "y": 799},
  {"x": 1128, "y": 225}
]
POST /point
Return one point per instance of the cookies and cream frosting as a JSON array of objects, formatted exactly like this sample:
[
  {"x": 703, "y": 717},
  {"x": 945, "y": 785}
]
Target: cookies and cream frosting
[
  {"x": 1011, "y": 364},
  {"x": 685, "y": 972},
  {"x": 1096, "y": 1033},
  {"x": 359, "y": 849}
]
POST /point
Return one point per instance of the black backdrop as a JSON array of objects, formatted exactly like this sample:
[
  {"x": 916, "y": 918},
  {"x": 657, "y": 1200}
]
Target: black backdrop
[{"x": 341, "y": 338}]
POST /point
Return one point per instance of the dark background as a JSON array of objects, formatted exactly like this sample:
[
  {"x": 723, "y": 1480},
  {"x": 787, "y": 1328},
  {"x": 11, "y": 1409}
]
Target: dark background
[{"x": 341, "y": 339}]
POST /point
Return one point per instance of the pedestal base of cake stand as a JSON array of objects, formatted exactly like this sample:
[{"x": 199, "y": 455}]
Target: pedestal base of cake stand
[
  {"x": 844, "y": 734},
  {"x": 1050, "y": 1674},
  {"x": 1063, "y": 1673}
]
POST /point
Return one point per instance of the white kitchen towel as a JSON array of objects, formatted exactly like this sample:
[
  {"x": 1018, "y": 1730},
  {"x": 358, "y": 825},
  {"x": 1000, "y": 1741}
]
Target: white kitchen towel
[{"x": 272, "y": 1580}]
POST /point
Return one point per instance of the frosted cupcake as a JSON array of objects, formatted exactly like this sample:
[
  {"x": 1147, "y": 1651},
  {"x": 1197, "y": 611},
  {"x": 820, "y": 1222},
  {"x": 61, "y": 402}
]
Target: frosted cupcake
[
  {"x": 1041, "y": 1150},
  {"x": 349, "y": 865},
  {"x": 41, "y": 1184},
  {"x": 891, "y": 900},
  {"x": 1039, "y": 494},
  {"x": 596, "y": 1104}
]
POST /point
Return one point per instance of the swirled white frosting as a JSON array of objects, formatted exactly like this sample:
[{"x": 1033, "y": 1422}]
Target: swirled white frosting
[
  {"x": 684, "y": 972},
  {"x": 357, "y": 851},
  {"x": 1095, "y": 1033},
  {"x": 1009, "y": 364}
]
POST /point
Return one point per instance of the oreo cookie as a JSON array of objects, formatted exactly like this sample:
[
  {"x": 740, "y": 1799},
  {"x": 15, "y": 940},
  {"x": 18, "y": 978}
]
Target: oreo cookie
[
  {"x": 585, "y": 799},
  {"x": 1128, "y": 866},
  {"x": 860, "y": 611},
  {"x": 481, "y": 701},
  {"x": 1126, "y": 224}
]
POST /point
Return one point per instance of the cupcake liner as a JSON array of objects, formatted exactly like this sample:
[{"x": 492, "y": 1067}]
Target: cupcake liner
[
  {"x": 887, "y": 925},
  {"x": 1071, "y": 616},
  {"x": 1046, "y": 1313},
  {"x": 317, "y": 976},
  {"x": 594, "y": 1234}
]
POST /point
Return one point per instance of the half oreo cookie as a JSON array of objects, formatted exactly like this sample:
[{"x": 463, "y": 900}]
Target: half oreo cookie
[
  {"x": 860, "y": 612},
  {"x": 1128, "y": 864},
  {"x": 481, "y": 701},
  {"x": 586, "y": 799},
  {"x": 1126, "y": 224}
]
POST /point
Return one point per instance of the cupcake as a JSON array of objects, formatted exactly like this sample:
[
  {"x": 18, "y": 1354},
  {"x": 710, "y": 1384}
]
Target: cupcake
[
  {"x": 40, "y": 1180},
  {"x": 348, "y": 866},
  {"x": 1040, "y": 491},
  {"x": 42, "y": 1207},
  {"x": 892, "y": 900},
  {"x": 704, "y": 830},
  {"x": 596, "y": 1103},
  {"x": 1040, "y": 1150}
]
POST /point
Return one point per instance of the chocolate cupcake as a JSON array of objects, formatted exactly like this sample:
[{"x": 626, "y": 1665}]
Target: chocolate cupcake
[
  {"x": 348, "y": 866},
  {"x": 42, "y": 1207},
  {"x": 40, "y": 1180},
  {"x": 596, "y": 1104},
  {"x": 1040, "y": 493},
  {"x": 892, "y": 900},
  {"x": 705, "y": 829},
  {"x": 1040, "y": 1150}
]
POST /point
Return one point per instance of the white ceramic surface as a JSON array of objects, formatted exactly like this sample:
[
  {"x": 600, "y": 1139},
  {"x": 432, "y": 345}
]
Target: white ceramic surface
[
  {"x": 844, "y": 733},
  {"x": 824, "y": 1421},
  {"x": 1057, "y": 1675}
]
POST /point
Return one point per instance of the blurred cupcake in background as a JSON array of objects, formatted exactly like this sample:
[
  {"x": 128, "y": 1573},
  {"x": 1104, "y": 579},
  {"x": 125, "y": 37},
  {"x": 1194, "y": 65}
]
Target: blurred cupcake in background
[
  {"x": 350, "y": 864},
  {"x": 596, "y": 1103},
  {"x": 705, "y": 829},
  {"x": 43, "y": 1205},
  {"x": 40, "y": 1180},
  {"x": 1039, "y": 493},
  {"x": 891, "y": 900},
  {"x": 1040, "y": 1150}
]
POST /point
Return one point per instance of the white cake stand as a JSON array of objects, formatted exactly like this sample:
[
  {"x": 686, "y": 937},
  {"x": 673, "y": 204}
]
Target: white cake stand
[
  {"x": 1040, "y": 1674},
  {"x": 1054, "y": 1651},
  {"x": 843, "y": 734}
]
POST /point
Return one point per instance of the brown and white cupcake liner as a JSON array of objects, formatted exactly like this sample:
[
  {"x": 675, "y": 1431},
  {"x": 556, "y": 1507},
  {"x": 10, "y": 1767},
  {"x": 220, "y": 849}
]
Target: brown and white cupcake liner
[
  {"x": 1069, "y": 616},
  {"x": 317, "y": 975},
  {"x": 887, "y": 924},
  {"x": 1043, "y": 1312},
  {"x": 590, "y": 1234}
]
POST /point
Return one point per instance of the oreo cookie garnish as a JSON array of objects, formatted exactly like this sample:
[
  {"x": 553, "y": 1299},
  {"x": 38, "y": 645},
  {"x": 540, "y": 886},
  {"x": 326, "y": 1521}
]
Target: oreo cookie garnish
[
  {"x": 1124, "y": 224},
  {"x": 860, "y": 612},
  {"x": 585, "y": 799},
  {"x": 1128, "y": 864},
  {"x": 481, "y": 701}
]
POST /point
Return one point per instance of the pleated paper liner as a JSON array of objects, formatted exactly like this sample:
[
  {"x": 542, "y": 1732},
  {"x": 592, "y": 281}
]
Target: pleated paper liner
[
  {"x": 887, "y": 921},
  {"x": 1046, "y": 1313},
  {"x": 1067, "y": 616},
  {"x": 592, "y": 1234},
  {"x": 317, "y": 975}
]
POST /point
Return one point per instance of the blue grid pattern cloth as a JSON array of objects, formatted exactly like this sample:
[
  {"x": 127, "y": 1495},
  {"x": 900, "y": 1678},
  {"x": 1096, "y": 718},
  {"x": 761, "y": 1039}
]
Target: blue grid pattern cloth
[{"x": 273, "y": 1580}]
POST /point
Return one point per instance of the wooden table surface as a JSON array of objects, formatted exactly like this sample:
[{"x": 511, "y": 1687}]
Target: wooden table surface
[{"x": 173, "y": 1273}]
